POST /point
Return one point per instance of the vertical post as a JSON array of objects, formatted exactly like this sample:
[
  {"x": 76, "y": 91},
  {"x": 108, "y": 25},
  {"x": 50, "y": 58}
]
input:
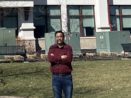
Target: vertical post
[
  {"x": 108, "y": 8},
  {"x": 101, "y": 11}
]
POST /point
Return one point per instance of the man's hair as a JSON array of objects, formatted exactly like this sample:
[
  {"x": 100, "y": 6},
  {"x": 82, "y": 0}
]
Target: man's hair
[{"x": 60, "y": 32}]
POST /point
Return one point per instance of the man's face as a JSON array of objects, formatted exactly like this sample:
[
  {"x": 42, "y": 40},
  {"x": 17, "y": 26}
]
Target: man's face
[{"x": 59, "y": 38}]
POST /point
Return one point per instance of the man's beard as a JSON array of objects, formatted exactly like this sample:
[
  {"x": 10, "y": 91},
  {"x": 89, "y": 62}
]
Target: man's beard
[{"x": 60, "y": 42}]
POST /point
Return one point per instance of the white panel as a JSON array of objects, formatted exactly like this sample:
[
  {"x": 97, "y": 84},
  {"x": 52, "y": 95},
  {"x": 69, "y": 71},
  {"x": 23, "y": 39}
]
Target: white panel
[
  {"x": 16, "y": 3},
  {"x": 121, "y": 2},
  {"x": 126, "y": 10},
  {"x": 126, "y": 22},
  {"x": 69, "y": 2},
  {"x": 81, "y": 2}
]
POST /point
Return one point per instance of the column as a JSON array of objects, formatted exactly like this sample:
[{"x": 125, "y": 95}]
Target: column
[
  {"x": 102, "y": 15},
  {"x": 25, "y": 22},
  {"x": 26, "y": 29},
  {"x": 64, "y": 15}
]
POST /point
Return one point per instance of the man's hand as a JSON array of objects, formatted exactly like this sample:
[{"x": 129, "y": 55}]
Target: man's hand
[
  {"x": 63, "y": 56},
  {"x": 52, "y": 54}
]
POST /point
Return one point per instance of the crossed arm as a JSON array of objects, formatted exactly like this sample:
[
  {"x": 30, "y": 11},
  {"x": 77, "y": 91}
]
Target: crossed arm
[{"x": 61, "y": 59}]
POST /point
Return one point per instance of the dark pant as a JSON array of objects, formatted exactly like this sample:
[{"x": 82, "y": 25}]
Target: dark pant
[{"x": 62, "y": 83}]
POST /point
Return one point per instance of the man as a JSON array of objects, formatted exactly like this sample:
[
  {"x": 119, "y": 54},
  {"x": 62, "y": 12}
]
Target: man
[{"x": 60, "y": 57}]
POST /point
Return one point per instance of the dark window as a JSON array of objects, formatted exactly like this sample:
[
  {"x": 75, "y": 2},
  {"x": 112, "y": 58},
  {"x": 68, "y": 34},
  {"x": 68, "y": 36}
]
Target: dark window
[
  {"x": 46, "y": 19},
  {"x": 8, "y": 17},
  {"x": 120, "y": 17},
  {"x": 81, "y": 19}
]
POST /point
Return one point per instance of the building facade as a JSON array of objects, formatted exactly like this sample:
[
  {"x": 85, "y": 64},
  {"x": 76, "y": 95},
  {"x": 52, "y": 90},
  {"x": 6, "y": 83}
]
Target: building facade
[{"x": 33, "y": 18}]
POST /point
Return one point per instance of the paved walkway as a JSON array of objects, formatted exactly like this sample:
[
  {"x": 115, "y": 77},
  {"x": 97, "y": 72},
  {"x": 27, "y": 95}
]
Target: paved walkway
[{"x": 10, "y": 97}]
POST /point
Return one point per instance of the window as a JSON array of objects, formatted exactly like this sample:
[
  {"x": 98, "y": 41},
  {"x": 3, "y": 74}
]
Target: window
[
  {"x": 81, "y": 19},
  {"x": 120, "y": 18},
  {"x": 9, "y": 18},
  {"x": 46, "y": 19},
  {"x": 54, "y": 18}
]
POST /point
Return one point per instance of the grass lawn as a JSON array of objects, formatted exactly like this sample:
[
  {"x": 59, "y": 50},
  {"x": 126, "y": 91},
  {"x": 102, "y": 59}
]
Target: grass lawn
[{"x": 92, "y": 79}]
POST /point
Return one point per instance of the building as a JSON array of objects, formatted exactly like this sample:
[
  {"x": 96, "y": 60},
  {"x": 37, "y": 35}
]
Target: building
[{"x": 34, "y": 18}]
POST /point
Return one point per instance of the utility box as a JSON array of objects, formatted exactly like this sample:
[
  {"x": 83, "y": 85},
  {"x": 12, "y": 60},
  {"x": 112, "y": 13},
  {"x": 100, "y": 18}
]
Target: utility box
[
  {"x": 72, "y": 39},
  {"x": 7, "y": 36},
  {"x": 111, "y": 41},
  {"x": 49, "y": 40}
]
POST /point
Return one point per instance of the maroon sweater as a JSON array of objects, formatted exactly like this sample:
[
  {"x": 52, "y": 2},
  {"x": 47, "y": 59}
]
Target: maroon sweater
[{"x": 59, "y": 65}]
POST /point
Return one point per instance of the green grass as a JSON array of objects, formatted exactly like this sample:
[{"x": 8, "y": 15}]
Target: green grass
[{"x": 92, "y": 79}]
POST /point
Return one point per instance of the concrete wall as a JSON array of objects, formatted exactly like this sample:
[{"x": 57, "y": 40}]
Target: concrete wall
[{"x": 86, "y": 43}]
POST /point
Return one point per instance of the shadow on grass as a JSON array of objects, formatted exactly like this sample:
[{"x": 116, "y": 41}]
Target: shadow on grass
[
  {"x": 24, "y": 72},
  {"x": 88, "y": 90},
  {"x": 28, "y": 92}
]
